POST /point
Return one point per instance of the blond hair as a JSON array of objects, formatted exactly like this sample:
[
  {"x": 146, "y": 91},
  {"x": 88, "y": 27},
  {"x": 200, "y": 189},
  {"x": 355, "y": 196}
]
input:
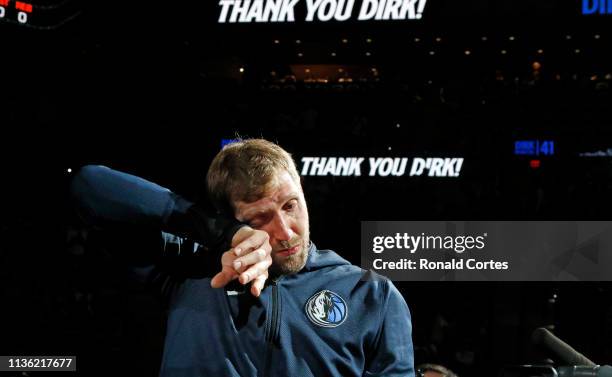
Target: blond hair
[{"x": 245, "y": 171}]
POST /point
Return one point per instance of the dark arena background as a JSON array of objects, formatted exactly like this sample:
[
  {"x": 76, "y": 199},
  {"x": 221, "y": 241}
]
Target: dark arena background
[{"x": 519, "y": 89}]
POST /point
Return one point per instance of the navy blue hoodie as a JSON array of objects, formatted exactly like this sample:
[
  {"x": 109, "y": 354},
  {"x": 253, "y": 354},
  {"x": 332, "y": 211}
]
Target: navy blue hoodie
[{"x": 329, "y": 319}]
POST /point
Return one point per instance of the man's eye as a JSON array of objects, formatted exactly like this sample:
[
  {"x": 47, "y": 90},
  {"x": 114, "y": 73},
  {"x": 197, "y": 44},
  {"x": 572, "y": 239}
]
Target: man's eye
[{"x": 290, "y": 206}]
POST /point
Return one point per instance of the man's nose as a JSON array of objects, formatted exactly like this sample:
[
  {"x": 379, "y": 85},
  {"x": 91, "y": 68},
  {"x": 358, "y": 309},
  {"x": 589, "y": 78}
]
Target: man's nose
[{"x": 281, "y": 229}]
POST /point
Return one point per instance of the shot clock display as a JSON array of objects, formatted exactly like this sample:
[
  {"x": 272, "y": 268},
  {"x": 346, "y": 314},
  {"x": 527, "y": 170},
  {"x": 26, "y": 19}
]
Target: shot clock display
[
  {"x": 18, "y": 11},
  {"x": 37, "y": 14}
]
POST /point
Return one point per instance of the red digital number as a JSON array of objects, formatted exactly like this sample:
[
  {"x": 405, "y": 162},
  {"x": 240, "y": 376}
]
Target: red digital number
[{"x": 19, "y": 5}]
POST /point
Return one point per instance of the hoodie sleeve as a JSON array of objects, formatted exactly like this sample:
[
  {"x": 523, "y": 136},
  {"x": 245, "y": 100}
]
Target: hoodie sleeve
[
  {"x": 104, "y": 196},
  {"x": 393, "y": 355}
]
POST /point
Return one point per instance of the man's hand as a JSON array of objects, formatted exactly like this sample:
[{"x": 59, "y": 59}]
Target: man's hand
[{"x": 248, "y": 260}]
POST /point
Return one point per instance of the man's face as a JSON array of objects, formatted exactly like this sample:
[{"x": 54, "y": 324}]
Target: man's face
[{"x": 281, "y": 213}]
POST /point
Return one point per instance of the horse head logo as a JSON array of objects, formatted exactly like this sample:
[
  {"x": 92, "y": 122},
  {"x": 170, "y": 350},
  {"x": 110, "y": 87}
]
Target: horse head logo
[{"x": 326, "y": 309}]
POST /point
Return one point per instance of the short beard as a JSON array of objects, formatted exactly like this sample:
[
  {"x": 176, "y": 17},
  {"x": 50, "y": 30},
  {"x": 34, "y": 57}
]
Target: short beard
[{"x": 293, "y": 263}]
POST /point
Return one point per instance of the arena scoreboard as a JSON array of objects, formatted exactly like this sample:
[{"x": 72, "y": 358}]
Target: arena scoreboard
[{"x": 38, "y": 14}]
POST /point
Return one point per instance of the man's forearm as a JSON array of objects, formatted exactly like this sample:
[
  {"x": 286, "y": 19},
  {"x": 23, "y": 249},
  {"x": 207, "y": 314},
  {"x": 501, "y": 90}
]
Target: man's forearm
[{"x": 103, "y": 195}]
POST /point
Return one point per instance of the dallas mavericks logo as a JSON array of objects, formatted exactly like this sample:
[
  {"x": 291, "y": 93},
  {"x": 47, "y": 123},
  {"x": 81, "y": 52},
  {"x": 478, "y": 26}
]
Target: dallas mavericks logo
[{"x": 326, "y": 309}]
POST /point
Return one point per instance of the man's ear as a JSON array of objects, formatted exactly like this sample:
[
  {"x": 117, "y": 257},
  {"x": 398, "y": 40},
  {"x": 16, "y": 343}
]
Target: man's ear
[{"x": 234, "y": 212}]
